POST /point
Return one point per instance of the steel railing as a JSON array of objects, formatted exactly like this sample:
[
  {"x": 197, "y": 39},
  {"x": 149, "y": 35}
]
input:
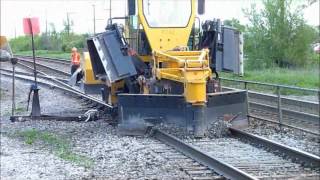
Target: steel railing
[{"x": 279, "y": 97}]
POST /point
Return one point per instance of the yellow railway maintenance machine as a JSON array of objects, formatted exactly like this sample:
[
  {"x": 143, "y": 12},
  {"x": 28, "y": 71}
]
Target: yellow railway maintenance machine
[
  {"x": 158, "y": 73},
  {"x": 5, "y": 50},
  {"x": 89, "y": 84}
]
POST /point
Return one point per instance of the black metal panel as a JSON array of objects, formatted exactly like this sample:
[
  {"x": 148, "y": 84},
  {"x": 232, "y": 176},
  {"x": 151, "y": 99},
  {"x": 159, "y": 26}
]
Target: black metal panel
[
  {"x": 229, "y": 58},
  {"x": 96, "y": 63},
  {"x": 107, "y": 58},
  {"x": 92, "y": 88},
  {"x": 226, "y": 98},
  {"x": 122, "y": 64},
  {"x": 231, "y": 104},
  {"x": 173, "y": 110}
]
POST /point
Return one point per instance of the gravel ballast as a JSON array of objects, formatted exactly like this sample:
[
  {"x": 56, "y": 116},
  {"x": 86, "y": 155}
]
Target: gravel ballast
[
  {"x": 294, "y": 138},
  {"x": 111, "y": 156}
]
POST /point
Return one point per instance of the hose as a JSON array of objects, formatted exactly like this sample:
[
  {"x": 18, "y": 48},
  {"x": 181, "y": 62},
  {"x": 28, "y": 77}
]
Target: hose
[{"x": 90, "y": 114}]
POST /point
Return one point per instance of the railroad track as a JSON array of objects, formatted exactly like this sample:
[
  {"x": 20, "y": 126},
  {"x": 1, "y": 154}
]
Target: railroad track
[
  {"x": 246, "y": 156},
  {"x": 287, "y": 121},
  {"x": 197, "y": 157},
  {"x": 297, "y": 114},
  {"x": 191, "y": 167},
  {"x": 48, "y": 59},
  {"x": 309, "y": 107},
  {"x": 53, "y": 68},
  {"x": 31, "y": 74},
  {"x": 60, "y": 84}
]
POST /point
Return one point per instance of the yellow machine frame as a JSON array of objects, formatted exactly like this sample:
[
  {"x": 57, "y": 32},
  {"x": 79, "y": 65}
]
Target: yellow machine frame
[
  {"x": 177, "y": 64},
  {"x": 88, "y": 72},
  {"x": 171, "y": 59},
  {"x": 3, "y": 41},
  {"x": 167, "y": 38}
]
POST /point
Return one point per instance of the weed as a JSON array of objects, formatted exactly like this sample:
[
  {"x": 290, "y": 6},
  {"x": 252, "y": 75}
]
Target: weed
[
  {"x": 58, "y": 145},
  {"x": 3, "y": 93},
  {"x": 20, "y": 109}
]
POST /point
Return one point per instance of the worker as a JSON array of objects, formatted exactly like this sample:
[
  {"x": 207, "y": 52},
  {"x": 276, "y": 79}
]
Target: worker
[{"x": 75, "y": 60}]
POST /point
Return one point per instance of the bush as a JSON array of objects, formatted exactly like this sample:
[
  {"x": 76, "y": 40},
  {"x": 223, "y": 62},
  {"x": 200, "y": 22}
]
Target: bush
[
  {"x": 52, "y": 41},
  {"x": 278, "y": 36}
]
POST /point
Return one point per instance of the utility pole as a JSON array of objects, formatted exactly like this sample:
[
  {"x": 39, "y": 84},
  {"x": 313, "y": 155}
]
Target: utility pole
[
  {"x": 69, "y": 23},
  {"x": 94, "y": 19},
  {"x": 46, "y": 24},
  {"x": 110, "y": 11}
]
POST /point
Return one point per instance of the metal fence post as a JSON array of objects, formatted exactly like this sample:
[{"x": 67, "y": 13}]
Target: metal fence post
[
  {"x": 319, "y": 102},
  {"x": 13, "y": 90},
  {"x": 279, "y": 107},
  {"x": 247, "y": 98}
]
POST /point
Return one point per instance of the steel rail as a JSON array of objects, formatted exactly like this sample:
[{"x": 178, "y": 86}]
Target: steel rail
[
  {"x": 287, "y": 112},
  {"x": 238, "y": 173},
  {"x": 306, "y": 117},
  {"x": 69, "y": 87},
  {"x": 48, "y": 59},
  {"x": 228, "y": 170},
  {"x": 283, "y": 124},
  {"x": 63, "y": 86},
  {"x": 44, "y": 66},
  {"x": 224, "y": 169},
  {"x": 285, "y": 100},
  {"x": 31, "y": 74},
  {"x": 218, "y": 166},
  {"x": 293, "y": 153},
  {"x": 272, "y": 85}
]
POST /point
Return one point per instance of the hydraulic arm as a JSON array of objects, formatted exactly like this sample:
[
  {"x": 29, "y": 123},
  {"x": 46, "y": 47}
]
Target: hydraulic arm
[{"x": 191, "y": 68}]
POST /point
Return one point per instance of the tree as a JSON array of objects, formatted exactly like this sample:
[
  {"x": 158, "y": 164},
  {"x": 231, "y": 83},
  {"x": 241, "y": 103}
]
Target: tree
[
  {"x": 278, "y": 35},
  {"x": 234, "y": 23},
  {"x": 55, "y": 41},
  {"x": 68, "y": 24}
]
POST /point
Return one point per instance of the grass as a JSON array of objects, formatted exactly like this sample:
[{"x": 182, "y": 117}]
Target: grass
[
  {"x": 20, "y": 109},
  {"x": 1, "y": 93},
  {"x": 17, "y": 111},
  {"x": 46, "y": 53},
  {"x": 305, "y": 78},
  {"x": 60, "y": 146}
]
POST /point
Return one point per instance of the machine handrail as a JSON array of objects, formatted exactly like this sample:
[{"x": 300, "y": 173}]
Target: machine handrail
[{"x": 272, "y": 85}]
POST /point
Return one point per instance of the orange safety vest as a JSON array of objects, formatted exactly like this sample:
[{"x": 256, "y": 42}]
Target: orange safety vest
[{"x": 75, "y": 58}]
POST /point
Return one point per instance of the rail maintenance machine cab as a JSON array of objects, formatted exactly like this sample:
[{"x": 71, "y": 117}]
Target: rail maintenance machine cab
[{"x": 158, "y": 73}]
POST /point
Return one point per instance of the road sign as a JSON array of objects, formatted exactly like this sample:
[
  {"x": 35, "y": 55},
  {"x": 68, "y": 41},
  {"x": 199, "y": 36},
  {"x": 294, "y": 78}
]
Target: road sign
[{"x": 31, "y": 25}]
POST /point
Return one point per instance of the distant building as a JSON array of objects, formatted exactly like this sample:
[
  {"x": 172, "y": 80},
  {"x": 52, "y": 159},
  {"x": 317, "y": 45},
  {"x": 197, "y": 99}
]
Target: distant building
[{"x": 316, "y": 48}]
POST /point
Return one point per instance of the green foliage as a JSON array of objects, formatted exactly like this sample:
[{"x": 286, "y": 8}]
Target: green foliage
[
  {"x": 3, "y": 93},
  {"x": 20, "y": 109},
  {"x": 52, "y": 41},
  {"x": 59, "y": 146},
  {"x": 68, "y": 23},
  {"x": 46, "y": 53},
  {"x": 278, "y": 36},
  {"x": 235, "y": 23},
  {"x": 307, "y": 77},
  {"x": 72, "y": 40}
]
